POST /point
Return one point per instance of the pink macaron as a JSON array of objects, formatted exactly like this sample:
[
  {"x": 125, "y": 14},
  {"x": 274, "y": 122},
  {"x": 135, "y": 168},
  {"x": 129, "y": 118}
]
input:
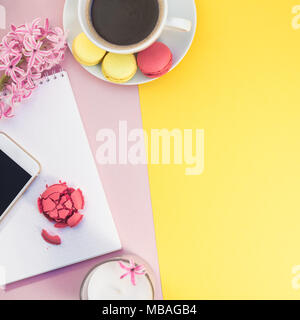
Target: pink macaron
[{"x": 155, "y": 60}]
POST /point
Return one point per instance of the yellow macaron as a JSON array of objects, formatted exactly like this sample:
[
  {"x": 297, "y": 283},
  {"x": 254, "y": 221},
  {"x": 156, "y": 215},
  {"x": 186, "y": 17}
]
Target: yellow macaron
[
  {"x": 85, "y": 52},
  {"x": 119, "y": 68}
]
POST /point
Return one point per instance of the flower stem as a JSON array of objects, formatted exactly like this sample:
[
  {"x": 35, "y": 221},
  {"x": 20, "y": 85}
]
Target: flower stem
[{"x": 3, "y": 80}]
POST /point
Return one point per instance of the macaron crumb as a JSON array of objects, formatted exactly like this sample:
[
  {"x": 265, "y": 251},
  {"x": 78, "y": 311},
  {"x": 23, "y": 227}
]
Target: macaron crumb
[{"x": 50, "y": 238}]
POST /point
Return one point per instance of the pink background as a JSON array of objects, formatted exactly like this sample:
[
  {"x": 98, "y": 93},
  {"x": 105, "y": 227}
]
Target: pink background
[{"x": 102, "y": 105}]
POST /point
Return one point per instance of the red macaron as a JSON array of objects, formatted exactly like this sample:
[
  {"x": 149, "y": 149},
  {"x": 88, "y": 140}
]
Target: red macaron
[{"x": 155, "y": 61}]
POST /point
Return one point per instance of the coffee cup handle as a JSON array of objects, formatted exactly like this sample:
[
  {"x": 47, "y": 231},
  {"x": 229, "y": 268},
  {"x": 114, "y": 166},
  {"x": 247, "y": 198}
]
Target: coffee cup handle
[{"x": 178, "y": 24}]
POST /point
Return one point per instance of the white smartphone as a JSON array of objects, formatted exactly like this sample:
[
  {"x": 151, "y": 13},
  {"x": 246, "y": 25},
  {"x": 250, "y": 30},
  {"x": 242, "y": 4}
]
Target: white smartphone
[{"x": 18, "y": 169}]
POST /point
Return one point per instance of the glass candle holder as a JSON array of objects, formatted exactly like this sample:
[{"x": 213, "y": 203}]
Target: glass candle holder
[{"x": 110, "y": 280}]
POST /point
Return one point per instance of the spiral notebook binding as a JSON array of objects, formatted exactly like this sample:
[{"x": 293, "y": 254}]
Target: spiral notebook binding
[{"x": 51, "y": 74}]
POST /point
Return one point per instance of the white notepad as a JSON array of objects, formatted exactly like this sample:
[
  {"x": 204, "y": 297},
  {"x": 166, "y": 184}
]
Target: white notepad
[{"x": 48, "y": 126}]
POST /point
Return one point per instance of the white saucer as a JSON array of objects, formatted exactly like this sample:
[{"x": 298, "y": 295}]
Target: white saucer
[{"x": 178, "y": 42}]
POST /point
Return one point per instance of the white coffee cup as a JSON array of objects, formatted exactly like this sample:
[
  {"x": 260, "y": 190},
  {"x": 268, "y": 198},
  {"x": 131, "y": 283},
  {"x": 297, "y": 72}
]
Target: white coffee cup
[{"x": 176, "y": 24}]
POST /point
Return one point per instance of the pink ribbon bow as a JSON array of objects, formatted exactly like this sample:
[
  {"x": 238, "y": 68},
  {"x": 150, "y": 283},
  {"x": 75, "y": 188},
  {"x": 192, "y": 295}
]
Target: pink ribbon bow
[{"x": 132, "y": 270}]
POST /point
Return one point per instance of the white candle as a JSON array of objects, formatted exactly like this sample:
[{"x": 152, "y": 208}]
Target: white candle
[{"x": 105, "y": 282}]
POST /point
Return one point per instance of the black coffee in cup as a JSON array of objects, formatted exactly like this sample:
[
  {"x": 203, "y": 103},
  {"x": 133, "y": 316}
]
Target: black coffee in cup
[{"x": 124, "y": 22}]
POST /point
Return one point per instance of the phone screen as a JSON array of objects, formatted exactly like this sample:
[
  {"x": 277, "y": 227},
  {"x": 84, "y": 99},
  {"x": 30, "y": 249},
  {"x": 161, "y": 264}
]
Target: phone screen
[{"x": 13, "y": 178}]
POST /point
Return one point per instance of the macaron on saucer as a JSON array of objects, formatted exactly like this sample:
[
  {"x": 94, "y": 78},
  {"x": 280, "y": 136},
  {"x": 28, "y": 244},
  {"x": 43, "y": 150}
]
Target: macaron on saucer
[
  {"x": 178, "y": 42},
  {"x": 119, "y": 68},
  {"x": 85, "y": 52},
  {"x": 155, "y": 61}
]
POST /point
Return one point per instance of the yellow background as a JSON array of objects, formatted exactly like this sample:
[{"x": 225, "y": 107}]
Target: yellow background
[{"x": 234, "y": 231}]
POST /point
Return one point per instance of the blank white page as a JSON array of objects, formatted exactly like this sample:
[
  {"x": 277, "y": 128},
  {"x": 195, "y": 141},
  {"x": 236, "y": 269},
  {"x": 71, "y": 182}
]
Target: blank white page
[{"x": 48, "y": 126}]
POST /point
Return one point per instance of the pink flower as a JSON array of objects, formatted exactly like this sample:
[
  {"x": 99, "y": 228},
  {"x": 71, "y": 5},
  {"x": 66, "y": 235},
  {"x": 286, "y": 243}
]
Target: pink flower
[
  {"x": 32, "y": 77},
  {"x": 55, "y": 58},
  {"x": 15, "y": 36},
  {"x": 32, "y": 29},
  {"x": 43, "y": 67},
  {"x": 33, "y": 51},
  {"x": 18, "y": 92},
  {"x": 25, "y": 53},
  {"x": 45, "y": 30},
  {"x": 58, "y": 37},
  {"x": 132, "y": 270},
  {"x": 11, "y": 69},
  {"x": 5, "y": 110},
  {"x": 9, "y": 47}
]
